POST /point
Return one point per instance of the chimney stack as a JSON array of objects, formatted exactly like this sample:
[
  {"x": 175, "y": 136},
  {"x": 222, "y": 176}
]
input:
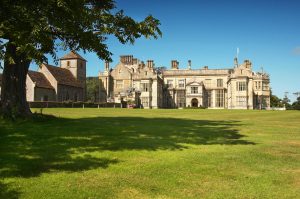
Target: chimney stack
[
  {"x": 248, "y": 64},
  {"x": 174, "y": 64},
  {"x": 127, "y": 59},
  {"x": 150, "y": 63}
]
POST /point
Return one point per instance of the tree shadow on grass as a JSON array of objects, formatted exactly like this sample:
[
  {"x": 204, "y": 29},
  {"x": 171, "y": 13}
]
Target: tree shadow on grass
[
  {"x": 7, "y": 192},
  {"x": 29, "y": 149}
]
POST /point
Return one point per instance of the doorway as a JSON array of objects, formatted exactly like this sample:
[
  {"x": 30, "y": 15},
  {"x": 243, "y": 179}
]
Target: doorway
[{"x": 194, "y": 102}]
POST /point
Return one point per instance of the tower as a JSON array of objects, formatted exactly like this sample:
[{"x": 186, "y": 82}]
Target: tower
[{"x": 77, "y": 66}]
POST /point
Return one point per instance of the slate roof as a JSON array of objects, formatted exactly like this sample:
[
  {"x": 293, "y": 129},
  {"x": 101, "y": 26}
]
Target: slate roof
[
  {"x": 63, "y": 76},
  {"x": 72, "y": 55},
  {"x": 39, "y": 79}
]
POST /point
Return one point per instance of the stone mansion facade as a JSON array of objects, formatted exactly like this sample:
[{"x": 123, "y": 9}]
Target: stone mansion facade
[{"x": 139, "y": 83}]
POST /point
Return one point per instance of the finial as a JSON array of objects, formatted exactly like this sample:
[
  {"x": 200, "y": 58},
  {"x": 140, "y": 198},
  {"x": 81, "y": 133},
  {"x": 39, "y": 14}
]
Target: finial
[
  {"x": 106, "y": 65},
  {"x": 236, "y": 63}
]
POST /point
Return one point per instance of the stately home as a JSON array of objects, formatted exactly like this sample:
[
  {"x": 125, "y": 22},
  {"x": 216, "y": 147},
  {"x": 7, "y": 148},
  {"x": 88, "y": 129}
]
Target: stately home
[
  {"x": 139, "y": 83},
  {"x": 64, "y": 83}
]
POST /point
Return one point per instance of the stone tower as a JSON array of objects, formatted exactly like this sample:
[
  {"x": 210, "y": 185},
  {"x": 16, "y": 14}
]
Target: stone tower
[{"x": 76, "y": 65}]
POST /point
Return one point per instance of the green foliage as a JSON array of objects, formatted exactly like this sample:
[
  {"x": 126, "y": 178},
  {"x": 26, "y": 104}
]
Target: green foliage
[
  {"x": 37, "y": 28},
  {"x": 138, "y": 153},
  {"x": 275, "y": 101},
  {"x": 296, "y": 105},
  {"x": 92, "y": 89}
]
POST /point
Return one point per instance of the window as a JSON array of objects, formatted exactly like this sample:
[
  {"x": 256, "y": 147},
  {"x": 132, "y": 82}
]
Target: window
[
  {"x": 181, "y": 83},
  {"x": 241, "y": 86},
  {"x": 258, "y": 85},
  {"x": 119, "y": 84},
  {"x": 265, "y": 86},
  {"x": 194, "y": 90},
  {"x": 219, "y": 82},
  {"x": 68, "y": 63},
  {"x": 170, "y": 83},
  {"x": 219, "y": 98},
  {"x": 145, "y": 87},
  {"x": 181, "y": 98},
  {"x": 209, "y": 99},
  {"x": 207, "y": 83},
  {"x": 145, "y": 101},
  {"x": 241, "y": 101},
  {"x": 146, "y": 73}
]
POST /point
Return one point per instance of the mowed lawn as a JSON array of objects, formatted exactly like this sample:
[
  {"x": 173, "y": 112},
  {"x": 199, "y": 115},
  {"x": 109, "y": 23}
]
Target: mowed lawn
[{"x": 135, "y": 153}]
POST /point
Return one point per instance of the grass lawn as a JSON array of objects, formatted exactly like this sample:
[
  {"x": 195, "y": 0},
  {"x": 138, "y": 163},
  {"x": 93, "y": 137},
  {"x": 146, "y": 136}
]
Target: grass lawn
[{"x": 135, "y": 153}]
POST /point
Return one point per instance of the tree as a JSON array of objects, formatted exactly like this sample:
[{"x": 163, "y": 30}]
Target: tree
[
  {"x": 275, "y": 101},
  {"x": 29, "y": 30},
  {"x": 296, "y": 104},
  {"x": 92, "y": 89},
  {"x": 286, "y": 102}
]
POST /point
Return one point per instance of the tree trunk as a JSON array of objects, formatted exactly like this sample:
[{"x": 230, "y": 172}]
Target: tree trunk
[{"x": 13, "y": 91}]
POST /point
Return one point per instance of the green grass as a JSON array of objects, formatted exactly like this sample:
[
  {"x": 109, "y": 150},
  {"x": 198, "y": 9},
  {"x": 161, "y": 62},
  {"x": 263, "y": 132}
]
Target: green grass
[{"x": 126, "y": 153}]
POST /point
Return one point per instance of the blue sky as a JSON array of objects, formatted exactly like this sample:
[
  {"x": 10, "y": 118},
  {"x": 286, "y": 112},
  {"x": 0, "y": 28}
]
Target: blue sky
[{"x": 208, "y": 33}]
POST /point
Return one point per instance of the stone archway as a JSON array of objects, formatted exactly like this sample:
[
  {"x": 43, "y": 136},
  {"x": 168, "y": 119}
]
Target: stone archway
[{"x": 194, "y": 102}]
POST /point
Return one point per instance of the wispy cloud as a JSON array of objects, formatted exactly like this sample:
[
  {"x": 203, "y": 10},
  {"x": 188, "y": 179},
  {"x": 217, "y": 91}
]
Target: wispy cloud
[{"x": 296, "y": 51}]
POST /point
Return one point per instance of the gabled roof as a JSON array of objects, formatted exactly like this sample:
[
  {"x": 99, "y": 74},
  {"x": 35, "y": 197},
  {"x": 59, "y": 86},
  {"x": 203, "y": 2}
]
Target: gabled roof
[
  {"x": 63, "y": 76},
  {"x": 39, "y": 79},
  {"x": 72, "y": 55}
]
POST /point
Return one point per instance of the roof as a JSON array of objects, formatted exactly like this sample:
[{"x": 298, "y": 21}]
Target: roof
[
  {"x": 39, "y": 79},
  {"x": 72, "y": 55},
  {"x": 194, "y": 81},
  {"x": 63, "y": 76}
]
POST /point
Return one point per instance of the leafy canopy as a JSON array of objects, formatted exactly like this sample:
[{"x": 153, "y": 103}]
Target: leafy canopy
[{"x": 40, "y": 27}]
